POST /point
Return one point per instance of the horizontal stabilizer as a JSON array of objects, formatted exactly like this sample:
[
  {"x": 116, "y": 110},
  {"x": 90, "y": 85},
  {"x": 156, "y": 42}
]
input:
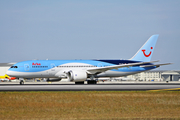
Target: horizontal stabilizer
[{"x": 157, "y": 65}]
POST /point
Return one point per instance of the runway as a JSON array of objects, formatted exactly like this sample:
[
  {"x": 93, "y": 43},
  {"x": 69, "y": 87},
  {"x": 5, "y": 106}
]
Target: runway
[{"x": 86, "y": 87}]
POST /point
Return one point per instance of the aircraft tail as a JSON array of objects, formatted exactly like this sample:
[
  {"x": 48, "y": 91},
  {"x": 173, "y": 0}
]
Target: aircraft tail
[{"x": 145, "y": 52}]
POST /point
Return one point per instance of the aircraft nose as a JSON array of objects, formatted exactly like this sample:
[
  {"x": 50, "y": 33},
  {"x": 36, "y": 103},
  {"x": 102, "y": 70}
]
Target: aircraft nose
[{"x": 10, "y": 73}]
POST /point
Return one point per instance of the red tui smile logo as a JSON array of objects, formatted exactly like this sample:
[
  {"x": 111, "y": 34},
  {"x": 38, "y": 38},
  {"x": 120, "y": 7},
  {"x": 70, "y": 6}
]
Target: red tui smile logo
[{"x": 146, "y": 54}]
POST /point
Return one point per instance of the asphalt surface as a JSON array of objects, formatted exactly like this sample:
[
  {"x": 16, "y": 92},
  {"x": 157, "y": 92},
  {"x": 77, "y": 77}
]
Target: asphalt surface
[{"x": 87, "y": 87}]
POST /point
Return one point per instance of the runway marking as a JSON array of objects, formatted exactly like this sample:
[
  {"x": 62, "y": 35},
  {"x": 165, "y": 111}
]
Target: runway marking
[{"x": 166, "y": 89}]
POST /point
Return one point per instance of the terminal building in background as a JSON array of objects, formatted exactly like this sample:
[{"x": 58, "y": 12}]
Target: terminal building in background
[
  {"x": 157, "y": 75},
  {"x": 154, "y": 75}
]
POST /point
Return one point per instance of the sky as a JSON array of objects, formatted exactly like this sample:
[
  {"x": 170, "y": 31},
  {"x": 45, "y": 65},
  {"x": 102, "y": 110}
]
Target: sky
[{"x": 88, "y": 29}]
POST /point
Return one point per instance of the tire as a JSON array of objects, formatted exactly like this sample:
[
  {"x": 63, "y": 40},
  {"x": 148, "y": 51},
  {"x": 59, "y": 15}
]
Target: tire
[
  {"x": 91, "y": 82},
  {"x": 21, "y": 82},
  {"x": 79, "y": 82}
]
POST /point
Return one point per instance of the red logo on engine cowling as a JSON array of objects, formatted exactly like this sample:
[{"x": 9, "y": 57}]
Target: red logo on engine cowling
[
  {"x": 145, "y": 53},
  {"x": 36, "y": 63}
]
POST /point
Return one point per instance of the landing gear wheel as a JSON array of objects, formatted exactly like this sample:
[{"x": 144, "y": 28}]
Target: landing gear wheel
[
  {"x": 91, "y": 82},
  {"x": 79, "y": 82},
  {"x": 21, "y": 82}
]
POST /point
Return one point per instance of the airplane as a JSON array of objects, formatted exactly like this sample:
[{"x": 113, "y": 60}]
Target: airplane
[
  {"x": 12, "y": 78},
  {"x": 79, "y": 71},
  {"x": 7, "y": 77}
]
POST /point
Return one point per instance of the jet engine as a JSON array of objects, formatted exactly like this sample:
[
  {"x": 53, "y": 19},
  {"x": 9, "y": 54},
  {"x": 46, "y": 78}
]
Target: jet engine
[{"x": 76, "y": 76}]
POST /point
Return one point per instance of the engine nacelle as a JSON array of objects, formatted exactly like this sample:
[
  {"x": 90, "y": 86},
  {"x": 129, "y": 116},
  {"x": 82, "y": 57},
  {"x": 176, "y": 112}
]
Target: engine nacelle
[{"x": 76, "y": 76}]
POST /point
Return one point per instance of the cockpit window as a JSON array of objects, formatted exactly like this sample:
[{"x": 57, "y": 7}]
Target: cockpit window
[{"x": 14, "y": 66}]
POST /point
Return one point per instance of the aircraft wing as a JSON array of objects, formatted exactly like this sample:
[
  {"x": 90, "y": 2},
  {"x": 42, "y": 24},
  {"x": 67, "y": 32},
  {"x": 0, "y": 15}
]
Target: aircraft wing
[
  {"x": 103, "y": 69},
  {"x": 157, "y": 65}
]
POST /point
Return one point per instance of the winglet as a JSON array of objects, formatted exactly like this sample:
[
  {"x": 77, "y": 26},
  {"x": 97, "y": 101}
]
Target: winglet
[{"x": 145, "y": 52}]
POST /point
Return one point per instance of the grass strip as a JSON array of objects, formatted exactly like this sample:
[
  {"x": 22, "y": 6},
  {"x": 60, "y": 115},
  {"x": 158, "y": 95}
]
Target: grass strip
[{"x": 90, "y": 105}]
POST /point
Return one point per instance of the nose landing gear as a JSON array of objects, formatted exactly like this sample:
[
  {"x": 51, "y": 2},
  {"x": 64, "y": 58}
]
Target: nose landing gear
[{"x": 21, "y": 81}]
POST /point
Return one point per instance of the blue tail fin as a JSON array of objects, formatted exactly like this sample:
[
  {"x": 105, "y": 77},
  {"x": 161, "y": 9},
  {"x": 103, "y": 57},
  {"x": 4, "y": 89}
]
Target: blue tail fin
[{"x": 145, "y": 52}]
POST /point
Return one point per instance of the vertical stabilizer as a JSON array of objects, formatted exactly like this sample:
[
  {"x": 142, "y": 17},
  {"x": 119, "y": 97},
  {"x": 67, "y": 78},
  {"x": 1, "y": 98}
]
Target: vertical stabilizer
[{"x": 145, "y": 52}]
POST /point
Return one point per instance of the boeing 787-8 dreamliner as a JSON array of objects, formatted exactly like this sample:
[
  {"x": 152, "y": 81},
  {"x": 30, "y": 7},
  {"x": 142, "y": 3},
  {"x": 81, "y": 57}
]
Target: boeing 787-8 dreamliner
[{"x": 79, "y": 71}]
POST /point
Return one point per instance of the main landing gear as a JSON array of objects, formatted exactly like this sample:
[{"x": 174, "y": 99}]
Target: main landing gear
[
  {"x": 79, "y": 83},
  {"x": 88, "y": 82},
  {"x": 91, "y": 82}
]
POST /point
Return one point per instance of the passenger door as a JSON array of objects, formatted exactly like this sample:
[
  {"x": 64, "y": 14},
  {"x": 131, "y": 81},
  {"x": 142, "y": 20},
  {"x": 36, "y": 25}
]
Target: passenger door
[
  {"x": 26, "y": 67},
  {"x": 53, "y": 67}
]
